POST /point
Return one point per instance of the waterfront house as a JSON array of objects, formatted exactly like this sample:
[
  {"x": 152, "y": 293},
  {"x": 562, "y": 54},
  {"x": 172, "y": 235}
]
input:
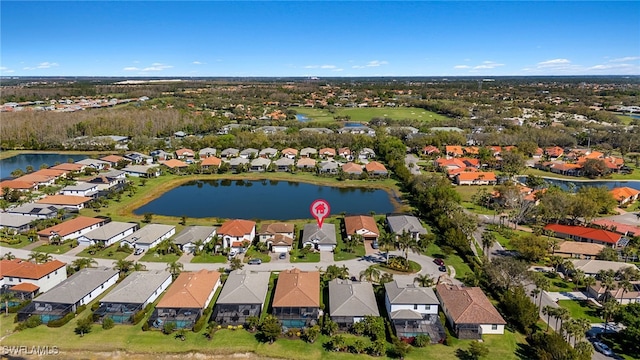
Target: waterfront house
[
  {"x": 306, "y": 163},
  {"x": 296, "y": 301},
  {"x": 413, "y": 310},
  {"x": 149, "y": 236},
  {"x": 80, "y": 189},
  {"x": 243, "y": 295},
  {"x": 375, "y": 168},
  {"x": 40, "y": 277},
  {"x": 401, "y": 223},
  {"x": 351, "y": 301},
  {"x": 211, "y": 162},
  {"x": 259, "y": 164},
  {"x": 289, "y": 153},
  {"x": 175, "y": 165},
  {"x": 71, "y": 229},
  {"x": 328, "y": 167},
  {"x": 469, "y": 312},
  {"x": 237, "y": 233},
  {"x": 145, "y": 171},
  {"x": 188, "y": 237},
  {"x": 37, "y": 211},
  {"x": 108, "y": 234},
  {"x": 70, "y": 202},
  {"x": 322, "y": 239},
  {"x": 136, "y": 291},
  {"x": 363, "y": 225},
  {"x": 587, "y": 234},
  {"x": 352, "y": 169},
  {"x": 284, "y": 164},
  {"x": 79, "y": 289},
  {"x": 625, "y": 195},
  {"x": 186, "y": 299},
  {"x": 237, "y": 162}
]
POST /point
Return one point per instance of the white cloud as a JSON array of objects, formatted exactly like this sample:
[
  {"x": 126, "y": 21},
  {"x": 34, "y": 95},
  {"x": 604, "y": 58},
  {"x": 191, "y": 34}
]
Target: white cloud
[
  {"x": 462, "y": 67},
  {"x": 28, "y": 68},
  {"x": 6, "y": 70},
  {"x": 554, "y": 63},
  {"x": 131, "y": 68},
  {"x": 197, "y": 63},
  {"x": 320, "y": 67},
  {"x": 338, "y": 70},
  {"x": 46, "y": 65},
  {"x": 154, "y": 67},
  {"x": 487, "y": 65},
  {"x": 376, "y": 63},
  {"x": 625, "y": 59}
]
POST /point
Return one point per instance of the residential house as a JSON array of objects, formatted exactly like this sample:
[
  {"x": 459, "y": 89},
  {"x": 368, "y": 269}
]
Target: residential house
[
  {"x": 211, "y": 162},
  {"x": 175, "y": 164},
  {"x": 289, "y": 153},
  {"x": 359, "y": 129},
  {"x": 138, "y": 158},
  {"x": 345, "y": 152},
  {"x": 375, "y": 168},
  {"x": 617, "y": 227},
  {"x": 593, "y": 267},
  {"x": 237, "y": 162},
  {"x": 469, "y": 312},
  {"x": 243, "y": 295},
  {"x": 625, "y": 296},
  {"x": 108, "y": 234},
  {"x": 80, "y": 189},
  {"x": 413, "y": 310},
  {"x": 229, "y": 153},
  {"x": 284, "y": 164},
  {"x": 352, "y": 169},
  {"x": 38, "y": 211},
  {"x": 430, "y": 150},
  {"x": 554, "y": 152},
  {"x": 308, "y": 152},
  {"x": 322, "y": 239},
  {"x": 190, "y": 235},
  {"x": 350, "y": 302},
  {"x": 186, "y": 299},
  {"x": 148, "y": 237},
  {"x": 306, "y": 163},
  {"x": 109, "y": 180},
  {"x": 400, "y": 223},
  {"x": 268, "y": 153},
  {"x": 317, "y": 130},
  {"x": 95, "y": 163},
  {"x": 16, "y": 223},
  {"x": 625, "y": 195},
  {"x": 68, "y": 167},
  {"x": 249, "y": 153},
  {"x": 329, "y": 167},
  {"x": 161, "y": 155},
  {"x": 145, "y": 171},
  {"x": 327, "y": 153},
  {"x": 453, "y": 150},
  {"x": 366, "y": 154},
  {"x": 19, "y": 185},
  {"x": 185, "y": 154},
  {"x": 476, "y": 178},
  {"x": 40, "y": 277},
  {"x": 236, "y": 233},
  {"x": 113, "y": 160},
  {"x": 79, "y": 289},
  {"x": 70, "y": 202},
  {"x": 363, "y": 225},
  {"x": 296, "y": 302},
  {"x": 71, "y": 229},
  {"x": 207, "y": 152},
  {"x": 260, "y": 164},
  {"x": 271, "y": 129},
  {"x": 578, "y": 250},
  {"x": 278, "y": 236},
  {"x": 587, "y": 234},
  {"x": 132, "y": 295}
]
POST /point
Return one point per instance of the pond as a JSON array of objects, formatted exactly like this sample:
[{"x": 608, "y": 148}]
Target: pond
[
  {"x": 21, "y": 161},
  {"x": 302, "y": 118},
  {"x": 263, "y": 199},
  {"x": 577, "y": 184}
]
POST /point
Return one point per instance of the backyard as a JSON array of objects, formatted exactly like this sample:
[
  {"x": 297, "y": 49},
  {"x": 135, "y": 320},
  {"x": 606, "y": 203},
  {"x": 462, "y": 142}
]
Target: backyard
[{"x": 582, "y": 309}]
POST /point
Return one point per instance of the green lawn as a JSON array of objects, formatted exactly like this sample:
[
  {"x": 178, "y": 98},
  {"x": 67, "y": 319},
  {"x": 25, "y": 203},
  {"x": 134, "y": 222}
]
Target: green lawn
[
  {"x": 366, "y": 114},
  {"x": 582, "y": 310},
  {"x": 558, "y": 284},
  {"x": 310, "y": 258},
  {"x": 152, "y": 256},
  {"x": 110, "y": 252},
  {"x": 477, "y": 209},
  {"x": 253, "y": 254},
  {"x": 462, "y": 268},
  {"x": 23, "y": 241},
  {"x": 54, "y": 249},
  {"x": 467, "y": 192},
  {"x": 209, "y": 258}
]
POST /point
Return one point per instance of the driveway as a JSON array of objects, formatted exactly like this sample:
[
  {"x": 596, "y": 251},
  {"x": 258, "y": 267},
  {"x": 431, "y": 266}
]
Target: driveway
[{"x": 567, "y": 295}]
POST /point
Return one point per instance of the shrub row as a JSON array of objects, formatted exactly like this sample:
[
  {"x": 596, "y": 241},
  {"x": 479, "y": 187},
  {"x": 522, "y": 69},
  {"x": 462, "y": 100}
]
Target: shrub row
[{"x": 62, "y": 321}]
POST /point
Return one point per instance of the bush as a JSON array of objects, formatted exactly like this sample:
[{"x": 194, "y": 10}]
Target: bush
[
  {"x": 33, "y": 321},
  {"x": 145, "y": 326},
  {"x": 62, "y": 321},
  {"x": 95, "y": 306},
  {"x": 199, "y": 325},
  {"x": 108, "y": 323},
  {"x": 84, "y": 326},
  {"x": 169, "y": 327},
  {"x": 421, "y": 340},
  {"x": 14, "y": 309},
  {"x": 81, "y": 308},
  {"x": 137, "y": 317}
]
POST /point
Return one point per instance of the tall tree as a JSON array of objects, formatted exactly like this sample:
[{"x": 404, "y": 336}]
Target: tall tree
[{"x": 175, "y": 268}]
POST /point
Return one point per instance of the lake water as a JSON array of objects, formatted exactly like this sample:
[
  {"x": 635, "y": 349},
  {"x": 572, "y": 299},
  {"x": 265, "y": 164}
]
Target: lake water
[
  {"x": 302, "y": 118},
  {"x": 21, "y": 161},
  {"x": 263, "y": 199},
  {"x": 576, "y": 184}
]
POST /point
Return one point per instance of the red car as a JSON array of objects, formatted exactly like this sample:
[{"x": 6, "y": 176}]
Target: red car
[{"x": 438, "y": 261}]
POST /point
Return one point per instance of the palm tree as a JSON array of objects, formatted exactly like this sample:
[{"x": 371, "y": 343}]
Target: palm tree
[
  {"x": 81, "y": 263},
  {"x": 578, "y": 277},
  {"x": 588, "y": 282},
  {"x": 488, "y": 239},
  {"x": 609, "y": 308},
  {"x": 556, "y": 261},
  {"x": 542, "y": 284},
  {"x": 386, "y": 242},
  {"x": 385, "y": 278},
  {"x": 549, "y": 311},
  {"x": 582, "y": 326},
  {"x": 371, "y": 274},
  {"x": 123, "y": 266},
  {"x": 561, "y": 314},
  {"x": 175, "y": 268},
  {"x": 407, "y": 242},
  {"x": 40, "y": 257},
  {"x": 6, "y": 298},
  {"x": 625, "y": 286},
  {"x": 198, "y": 247},
  {"x": 424, "y": 280},
  {"x": 138, "y": 267},
  {"x": 9, "y": 256}
]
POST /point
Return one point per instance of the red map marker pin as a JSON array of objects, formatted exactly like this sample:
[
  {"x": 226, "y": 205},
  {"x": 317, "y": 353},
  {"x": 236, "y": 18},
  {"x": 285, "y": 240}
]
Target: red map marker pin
[{"x": 320, "y": 210}]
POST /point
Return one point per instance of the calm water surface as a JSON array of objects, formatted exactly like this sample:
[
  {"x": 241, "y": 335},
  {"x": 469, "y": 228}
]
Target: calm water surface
[
  {"x": 266, "y": 199},
  {"x": 575, "y": 185},
  {"x": 21, "y": 161}
]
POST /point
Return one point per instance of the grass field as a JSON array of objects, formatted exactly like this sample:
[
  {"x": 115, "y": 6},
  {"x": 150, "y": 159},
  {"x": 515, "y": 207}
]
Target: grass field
[
  {"x": 152, "y": 256},
  {"x": 467, "y": 192},
  {"x": 208, "y": 258},
  {"x": 462, "y": 268},
  {"x": 54, "y": 249},
  {"x": 581, "y": 310},
  {"x": 109, "y": 252},
  {"x": 366, "y": 114},
  {"x": 24, "y": 241}
]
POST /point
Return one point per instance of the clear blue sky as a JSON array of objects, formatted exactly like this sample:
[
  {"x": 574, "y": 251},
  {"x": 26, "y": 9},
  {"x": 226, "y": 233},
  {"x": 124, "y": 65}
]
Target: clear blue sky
[{"x": 354, "y": 38}]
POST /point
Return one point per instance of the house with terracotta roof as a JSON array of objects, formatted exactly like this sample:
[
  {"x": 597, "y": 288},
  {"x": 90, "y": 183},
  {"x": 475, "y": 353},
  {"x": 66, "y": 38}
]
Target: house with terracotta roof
[
  {"x": 185, "y": 154},
  {"x": 79, "y": 289},
  {"x": 175, "y": 164},
  {"x": 625, "y": 195},
  {"x": 41, "y": 277},
  {"x": 289, "y": 153},
  {"x": 578, "y": 250},
  {"x": 132, "y": 294},
  {"x": 17, "y": 185},
  {"x": 363, "y": 225},
  {"x": 67, "y": 201},
  {"x": 476, "y": 178},
  {"x": 554, "y": 152},
  {"x": 351, "y": 301},
  {"x": 69, "y": 167},
  {"x": 296, "y": 302},
  {"x": 617, "y": 227},
  {"x": 430, "y": 150},
  {"x": 234, "y": 233},
  {"x": 306, "y": 163},
  {"x": 186, "y": 299},
  {"x": 469, "y": 312},
  {"x": 375, "y": 168},
  {"x": 345, "y": 152},
  {"x": 71, "y": 229},
  {"x": 352, "y": 169},
  {"x": 243, "y": 295},
  {"x": 113, "y": 159},
  {"x": 327, "y": 153},
  {"x": 587, "y": 234},
  {"x": 453, "y": 150},
  {"x": 38, "y": 180},
  {"x": 210, "y": 162},
  {"x": 278, "y": 236},
  {"x": 413, "y": 310}
]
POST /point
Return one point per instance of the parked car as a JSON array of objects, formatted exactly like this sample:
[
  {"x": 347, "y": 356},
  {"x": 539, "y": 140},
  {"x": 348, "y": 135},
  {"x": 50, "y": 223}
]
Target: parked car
[
  {"x": 138, "y": 252},
  {"x": 442, "y": 268},
  {"x": 602, "y": 348},
  {"x": 255, "y": 262},
  {"x": 282, "y": 256},
  {"x": 438, "y": 261},
  {"x": 374, "y": 244}
]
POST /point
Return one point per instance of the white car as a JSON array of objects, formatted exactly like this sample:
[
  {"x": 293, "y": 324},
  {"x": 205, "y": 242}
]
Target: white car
[{"x": 603, "y": 348}]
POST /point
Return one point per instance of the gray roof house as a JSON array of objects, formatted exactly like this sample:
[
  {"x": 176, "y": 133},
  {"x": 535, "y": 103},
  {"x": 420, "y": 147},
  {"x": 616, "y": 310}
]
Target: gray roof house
[
  {"x": 284, "y": 164},
  {"x": 317, "y": 130},
  {"x": 366, "y": 153},
  {"x": 350, "y": 301},
  {"x": 39, "y": 211},
  {"x": 259, "y": 164},
  {"x": 187, "y": 238},
  {"x": 149, "y": 236},
  {"x": 243, "y": 295},
  {"x": 308, "y": 152},
  {"x": 80, "y": 189},
  {"x": 399, "y": 223},
  {"x": 249, "y": 153},
  {"x": 413, "y": 310},
  {"x": 207, "y": 152},
  {"x": 237, "y": 161},
  {"x": 323, "y": 239},
  {"x": 108, "y": 234},
  {"x": 268, "y": 152},
  {"x": 79, "y": 289},
  {"x": 133, "y": 294},
  {"x": 329, "y": 167},
  {"x": 15, "y": 222},
  {"x": 229, "y": 152},
  {"x": 142, "y": 170},
  {"x": 94, "y": 163}
]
